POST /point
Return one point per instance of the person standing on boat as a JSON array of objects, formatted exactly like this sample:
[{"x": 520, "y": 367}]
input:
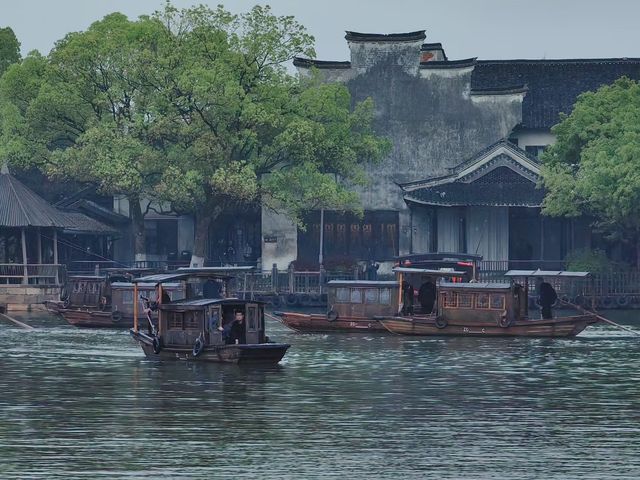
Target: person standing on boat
[
  {"x": 547, "y": 296},
  {"x": 235, "y": 331},
  {"x": 371, "y": 271},
  {"x": 427, "y": 295},
  {"x": 407, "y": 298}
]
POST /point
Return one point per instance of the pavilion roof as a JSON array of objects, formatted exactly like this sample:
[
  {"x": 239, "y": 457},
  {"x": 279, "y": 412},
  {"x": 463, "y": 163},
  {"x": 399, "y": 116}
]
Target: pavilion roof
[{"x": 21, "y": 207}]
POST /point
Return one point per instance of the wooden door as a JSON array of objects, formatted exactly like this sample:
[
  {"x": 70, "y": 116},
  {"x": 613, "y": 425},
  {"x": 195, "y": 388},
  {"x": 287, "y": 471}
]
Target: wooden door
[
  {"x": 211, "y": 324},
  {"x": 252, "y": 321}
]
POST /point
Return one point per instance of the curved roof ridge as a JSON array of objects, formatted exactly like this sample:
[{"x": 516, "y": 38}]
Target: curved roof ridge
[
  {"x": 385, "y": 37},
  {"x": 562, "y": 60}
]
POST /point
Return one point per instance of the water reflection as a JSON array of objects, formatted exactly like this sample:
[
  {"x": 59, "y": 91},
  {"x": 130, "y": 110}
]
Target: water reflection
[{"x": 85, "y": 403}]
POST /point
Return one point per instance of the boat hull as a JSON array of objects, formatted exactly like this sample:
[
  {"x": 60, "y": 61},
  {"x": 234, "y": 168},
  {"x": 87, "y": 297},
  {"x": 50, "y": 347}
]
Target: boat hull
[
  {"x": 54, "y": 306},
  {"x": 95, "y": 319},
  {"x": 317, "y": 323},
  {"x": 557, "y": 327},
  {"x": 262, "y": 353}
]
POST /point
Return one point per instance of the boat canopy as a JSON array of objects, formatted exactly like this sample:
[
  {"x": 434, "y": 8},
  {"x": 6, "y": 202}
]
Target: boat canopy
[
  {"x": 362, "y": 283},
  {"x": 217, "y": 270},
  {"x": 203, "y": 302},
  {"x": 442, "y": 256},
  {"x": 430, "y": 271},
  {"x": 546, "y": 273},
  {"x": 143, "y": 285},
  {"x": 178, "y": 276},
  {"x": 477, "y": 285}
]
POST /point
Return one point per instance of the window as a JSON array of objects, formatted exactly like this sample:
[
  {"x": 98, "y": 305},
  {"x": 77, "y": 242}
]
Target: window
[
  {"x": 371, "y": 295},
  {"x": 127, "y": 297},
  {"x": 385, "y": 296},
  {"x": 465, "y": 300},
  {"x": 482, "y": 300},
  {"x": 251, "y": 313},
  {"x": 356, "y": 295},
  {"x": 450, "y": 300},
  {"x": 497, "y": 302},
  {"x": 342, "y": 295},
  {"x": 192, "y": 320},
  {"x": 175, "y": 321}
]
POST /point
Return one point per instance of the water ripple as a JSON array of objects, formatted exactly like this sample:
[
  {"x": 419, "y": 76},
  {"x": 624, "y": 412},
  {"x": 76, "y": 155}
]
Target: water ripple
[{"x": 86, "y": 404}]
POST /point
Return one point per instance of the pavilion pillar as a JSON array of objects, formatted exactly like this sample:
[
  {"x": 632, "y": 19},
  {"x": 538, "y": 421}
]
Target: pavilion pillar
[
  {"x": 25, "y": 278},
  {"x": 55, "y": 253},
  {"x": 39, "y": 233}
]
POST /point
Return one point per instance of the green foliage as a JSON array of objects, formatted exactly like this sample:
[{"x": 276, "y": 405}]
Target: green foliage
[
  {"x": 9, "y": 49},
  {"x": 190, "y": 106},
  {"x": 586, "y": 260},
  {"x": 594, "y": 167}
]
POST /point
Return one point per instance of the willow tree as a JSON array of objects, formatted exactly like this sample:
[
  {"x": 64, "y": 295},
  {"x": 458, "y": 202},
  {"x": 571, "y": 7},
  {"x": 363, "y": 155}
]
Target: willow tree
[
  {"x": 239, "y": 129},
  {"x": 594, "y": 167}
]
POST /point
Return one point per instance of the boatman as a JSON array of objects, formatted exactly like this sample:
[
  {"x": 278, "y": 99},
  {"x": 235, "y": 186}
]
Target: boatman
[
  {"x": 547, "y": 296},
  {"x": 427, "y": 295},
  {"x": 235, "y": 331}
]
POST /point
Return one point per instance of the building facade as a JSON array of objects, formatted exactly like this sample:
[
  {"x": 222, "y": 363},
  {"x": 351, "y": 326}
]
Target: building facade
[{"x": 463, "y": 171}]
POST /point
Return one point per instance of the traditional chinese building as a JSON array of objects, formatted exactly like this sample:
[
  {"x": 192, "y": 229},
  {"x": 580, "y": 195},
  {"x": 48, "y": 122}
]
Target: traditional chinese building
[
  {"x": 36, "y": 246},
  {"x": 463, "y": 171}
]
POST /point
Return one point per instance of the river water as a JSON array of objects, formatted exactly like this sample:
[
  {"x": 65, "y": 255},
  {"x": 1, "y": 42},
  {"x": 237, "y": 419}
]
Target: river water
[{"x": 86, "y": 404}]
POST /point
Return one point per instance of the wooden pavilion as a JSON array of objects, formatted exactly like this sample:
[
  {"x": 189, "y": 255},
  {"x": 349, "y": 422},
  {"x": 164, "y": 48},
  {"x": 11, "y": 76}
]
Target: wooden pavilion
[{"x": 30, "y": 271}]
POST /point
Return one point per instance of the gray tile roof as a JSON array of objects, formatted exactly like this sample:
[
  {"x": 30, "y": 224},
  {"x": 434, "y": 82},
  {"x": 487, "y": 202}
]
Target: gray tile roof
[{"x": 21, "y": 207}]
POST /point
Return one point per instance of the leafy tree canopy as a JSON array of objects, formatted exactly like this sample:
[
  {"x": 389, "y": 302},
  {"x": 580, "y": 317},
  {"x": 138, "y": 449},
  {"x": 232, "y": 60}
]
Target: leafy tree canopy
[
  {"x": 194, "y": 107},
  {"x": 9, "y": 49},
  {"x": 594, "y": 167}
]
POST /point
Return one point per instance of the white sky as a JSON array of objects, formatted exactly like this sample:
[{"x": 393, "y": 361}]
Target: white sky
[{"x": 488, "y": 29}]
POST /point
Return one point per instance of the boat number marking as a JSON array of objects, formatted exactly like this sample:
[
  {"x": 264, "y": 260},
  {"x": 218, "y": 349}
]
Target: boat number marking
[{"x": 466, "y": 330}]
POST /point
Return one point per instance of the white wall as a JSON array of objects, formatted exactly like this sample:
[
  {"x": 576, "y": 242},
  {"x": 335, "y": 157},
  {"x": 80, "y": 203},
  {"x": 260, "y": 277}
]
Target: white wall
[{"x": 534, "y": 137}]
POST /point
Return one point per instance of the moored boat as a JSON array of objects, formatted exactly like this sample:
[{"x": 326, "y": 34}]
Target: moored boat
[
  {"x": 356, "y": 305},
  {"x": 489, "y": 309},
  {"x": 353, "y": 304},
  {"x": 205, "y": 325}
]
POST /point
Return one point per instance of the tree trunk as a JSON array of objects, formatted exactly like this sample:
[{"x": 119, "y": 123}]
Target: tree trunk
[
  {"x": 204, "y": 217},
  {"x": 137, "y": 223},
  {"x": 638, "y": 251}
]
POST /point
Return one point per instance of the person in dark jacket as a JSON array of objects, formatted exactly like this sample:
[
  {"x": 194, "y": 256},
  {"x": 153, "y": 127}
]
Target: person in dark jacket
[
  {"x": 427, "y": 295},
  {"x": 407, "y": 298},
  {"x": 235, "y": 332},
  {"x": 547, "y": 296}
]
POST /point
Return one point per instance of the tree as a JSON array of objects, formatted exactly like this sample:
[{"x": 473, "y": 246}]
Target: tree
[
  {"x": 81, "y": 113},
  {"x": 239, "y": 129},
  {"x": 594, "y": 167},
  {"x": 9, "y": 49},
  {"x": 192, "y": 107}
]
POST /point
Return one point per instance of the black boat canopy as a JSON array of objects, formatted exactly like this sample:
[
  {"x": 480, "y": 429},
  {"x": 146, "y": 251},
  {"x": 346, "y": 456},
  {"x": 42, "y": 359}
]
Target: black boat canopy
[
  {"x": 546, "y": 273},
  {"x": 430, "y": 271}
]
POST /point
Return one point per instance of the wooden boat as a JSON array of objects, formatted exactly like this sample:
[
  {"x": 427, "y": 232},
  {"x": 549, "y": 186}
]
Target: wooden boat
[
  {"x": 190, "y": 329},
  {"x": 488, "y": 309},
  {"x": 356, "y": 305},
  {"x": 92, "y": 292},
  {"x": 118, "y": 313},
  {"x": 353, "y": 306}
]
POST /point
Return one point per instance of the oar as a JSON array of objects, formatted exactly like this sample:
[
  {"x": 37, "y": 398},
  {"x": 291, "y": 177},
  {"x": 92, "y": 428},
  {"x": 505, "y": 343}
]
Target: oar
[
  {"x": 600, "y": 317},
  {"x": 17, "y": 322}
]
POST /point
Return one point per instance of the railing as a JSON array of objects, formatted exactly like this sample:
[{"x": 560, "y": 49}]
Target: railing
[{"x": 31, "y": 274}]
